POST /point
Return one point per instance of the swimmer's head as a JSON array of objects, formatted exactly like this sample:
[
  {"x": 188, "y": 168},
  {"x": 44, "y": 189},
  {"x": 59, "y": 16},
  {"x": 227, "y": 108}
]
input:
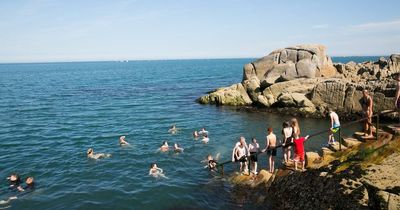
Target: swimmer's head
[
  {"x": 29, "y": 180},
  {"x": 122, "y": 138},
  {"x": 165, "y": 143},
  {"x": 153, "y": 165},
  {"x": 89, "y": 151},
  {"x": 14, "y": 177},
  {"x": 209, "y": 157},
  {"x": 270, "y": 130},
  {"x": 203, "y": 129},
  {"x": 176, "y": 145}
]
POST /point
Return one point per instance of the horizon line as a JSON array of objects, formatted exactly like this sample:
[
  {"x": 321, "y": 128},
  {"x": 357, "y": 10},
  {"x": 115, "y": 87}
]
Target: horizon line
[{"x": 155, "y": 59}]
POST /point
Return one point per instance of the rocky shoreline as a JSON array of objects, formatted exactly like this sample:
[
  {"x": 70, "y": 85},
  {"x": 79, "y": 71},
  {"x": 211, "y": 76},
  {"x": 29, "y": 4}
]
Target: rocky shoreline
[{"x": 302, "y": 80}]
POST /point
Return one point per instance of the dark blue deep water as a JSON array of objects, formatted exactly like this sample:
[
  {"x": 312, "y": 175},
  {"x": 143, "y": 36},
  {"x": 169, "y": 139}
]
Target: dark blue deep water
[{"x": 51, "y": 113}]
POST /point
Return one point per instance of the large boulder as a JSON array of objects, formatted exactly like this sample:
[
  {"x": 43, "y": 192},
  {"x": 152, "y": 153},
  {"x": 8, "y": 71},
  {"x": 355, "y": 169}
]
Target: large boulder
[
  {"x": 289, "y": 63},
  {"x": 234, "y": 95}
]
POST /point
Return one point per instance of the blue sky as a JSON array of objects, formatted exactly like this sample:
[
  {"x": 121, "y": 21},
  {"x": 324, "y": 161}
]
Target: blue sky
[{"x": 76, "y": 30}]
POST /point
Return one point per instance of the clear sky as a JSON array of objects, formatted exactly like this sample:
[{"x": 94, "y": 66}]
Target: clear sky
[{"x": 75, "y": 30}]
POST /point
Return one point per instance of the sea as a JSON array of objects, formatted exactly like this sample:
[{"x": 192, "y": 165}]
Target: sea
[{"x": 51, "y": 113}]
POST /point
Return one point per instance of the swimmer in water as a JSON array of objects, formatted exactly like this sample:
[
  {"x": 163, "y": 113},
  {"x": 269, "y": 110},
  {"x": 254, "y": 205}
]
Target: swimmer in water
[
  {"x": 14, "y": 180},
  {"x": 173, "y": 129},
  {"x": 156, "y": 172},
  {"x": 177, "y": 148},
  {"x": 195, "y": 135},
  {"x": 203, "y": 132},
  {"x": 205, "y": 139},
  {"x": 122, "y": 141},
  {"x": 212, "y": 162},
  {"x": 30, "y": 184},
  {"x": 90, "y": 154},
  {"x": 164, "y": 147}
]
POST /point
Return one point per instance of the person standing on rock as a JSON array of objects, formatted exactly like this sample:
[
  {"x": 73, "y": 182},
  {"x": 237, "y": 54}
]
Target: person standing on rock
[
  {"x": 335, "y": 125},
  {"x": 254, "y": 148},
  {"x": 397, "y": 101},
  {"x": 299, "y": 151},
  {"x": 287, "y": 132},
  {"x": 367, "y": 104},
  {"x": 271, "y": 149},
  {"x": 241, "y": 152}
]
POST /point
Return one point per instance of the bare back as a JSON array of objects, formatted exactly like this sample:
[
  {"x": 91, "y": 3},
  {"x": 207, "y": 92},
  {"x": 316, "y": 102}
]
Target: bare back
[{"x": 271, "y": 140}]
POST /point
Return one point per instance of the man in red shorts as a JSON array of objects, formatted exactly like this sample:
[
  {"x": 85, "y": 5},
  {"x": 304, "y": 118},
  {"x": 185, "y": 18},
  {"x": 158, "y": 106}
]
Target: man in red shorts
[{"x": 299, "y": 151}]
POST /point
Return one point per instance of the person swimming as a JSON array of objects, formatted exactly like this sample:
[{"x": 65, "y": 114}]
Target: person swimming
[
  {"x": 203, "y": 132},
  {"x": 122, "y": 141},
  {"x": 156, "y": 172},
  {"x": 14, "y": 180},
  {"x": 205, "y": 139},
  {"x": 164, "y": 147},
  {"x": 195, "y": 134},
  {"x": 173, "y": 129},
  {"x": 177, "y": 148},
  {"x": 212, "y": 162},
  {"x": 90, "y": 154},
  {"x": 30, "y": 184}
]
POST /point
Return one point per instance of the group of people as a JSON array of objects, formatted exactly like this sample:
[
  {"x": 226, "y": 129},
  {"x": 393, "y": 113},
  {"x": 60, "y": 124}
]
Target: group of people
[
  {"x": 203, "y": 133},
  {"x": 244, "y": 154},
  {"x": 157, "y": 172},
  {"x": 15, "y": 184}
]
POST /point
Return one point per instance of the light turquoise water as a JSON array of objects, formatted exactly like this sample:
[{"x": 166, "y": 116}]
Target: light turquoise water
[{"x": 51, "y": 113}]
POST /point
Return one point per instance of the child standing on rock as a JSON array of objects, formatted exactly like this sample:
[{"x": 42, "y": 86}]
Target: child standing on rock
[{"x": 299, "y": 151}]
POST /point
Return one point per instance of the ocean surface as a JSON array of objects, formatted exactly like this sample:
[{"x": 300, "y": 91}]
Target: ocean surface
[{"x": 51, "y": 113}]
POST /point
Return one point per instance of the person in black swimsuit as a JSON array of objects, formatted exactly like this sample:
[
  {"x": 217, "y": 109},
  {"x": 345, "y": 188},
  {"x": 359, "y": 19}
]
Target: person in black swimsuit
[{"x": 367, "y": 104}]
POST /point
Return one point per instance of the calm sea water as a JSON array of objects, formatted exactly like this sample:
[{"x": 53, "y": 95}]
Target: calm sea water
[{"x": 51, "y": 113}]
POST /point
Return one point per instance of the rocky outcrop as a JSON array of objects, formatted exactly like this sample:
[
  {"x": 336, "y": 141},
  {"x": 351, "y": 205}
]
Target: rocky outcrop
[
  {"x": 234, "y": 95},
  {"x": 303, "y": 80}
]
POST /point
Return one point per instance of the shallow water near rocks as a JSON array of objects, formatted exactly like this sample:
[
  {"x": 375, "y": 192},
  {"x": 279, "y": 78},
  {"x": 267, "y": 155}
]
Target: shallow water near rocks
[{"x": 51, "y": 113}]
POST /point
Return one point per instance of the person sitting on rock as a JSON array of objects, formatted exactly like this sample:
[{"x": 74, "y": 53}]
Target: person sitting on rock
[{"x": 299, "y": 151}]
